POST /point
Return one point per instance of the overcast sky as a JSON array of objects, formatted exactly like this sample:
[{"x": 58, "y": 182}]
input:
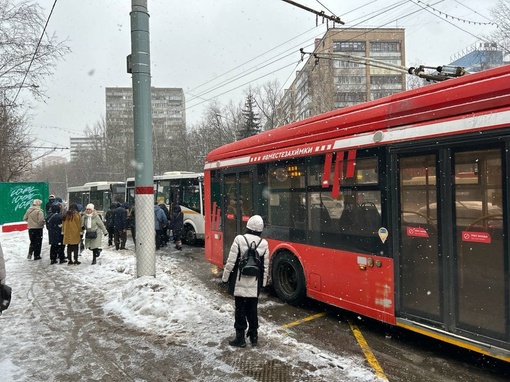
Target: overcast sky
[{"x": 214, "y": 49}]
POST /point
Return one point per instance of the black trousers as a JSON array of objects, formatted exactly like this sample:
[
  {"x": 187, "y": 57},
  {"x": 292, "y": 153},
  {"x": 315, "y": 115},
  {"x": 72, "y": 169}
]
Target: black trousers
[
  {"x": 57, "y": 251},
  {"x": 111, "y": 232},
  {"x": 72, "y": 249},
  {"x": 120, "y": 238},
  {"x": 36, "y": 236},
  {"x": 246, "y": 313},
  {"x": 160, "y": 238}
]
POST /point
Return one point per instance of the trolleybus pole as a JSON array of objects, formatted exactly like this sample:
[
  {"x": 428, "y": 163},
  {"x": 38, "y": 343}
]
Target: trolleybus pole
[{"x": 139, "y": 65}]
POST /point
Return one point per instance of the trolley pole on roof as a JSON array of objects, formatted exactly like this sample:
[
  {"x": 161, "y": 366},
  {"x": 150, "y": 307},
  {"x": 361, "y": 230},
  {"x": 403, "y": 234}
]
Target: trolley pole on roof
[{"x": 138, "y": 63}]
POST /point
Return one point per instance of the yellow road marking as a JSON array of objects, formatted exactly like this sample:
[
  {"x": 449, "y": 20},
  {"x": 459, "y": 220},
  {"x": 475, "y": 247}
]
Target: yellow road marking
[
  {"x": 367, "y": 351},
  {"x": 306, "y": 319}
]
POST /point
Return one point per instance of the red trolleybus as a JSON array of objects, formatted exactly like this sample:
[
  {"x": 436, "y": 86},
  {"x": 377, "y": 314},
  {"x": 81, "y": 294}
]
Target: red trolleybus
[{"x": 397, "y": 209}]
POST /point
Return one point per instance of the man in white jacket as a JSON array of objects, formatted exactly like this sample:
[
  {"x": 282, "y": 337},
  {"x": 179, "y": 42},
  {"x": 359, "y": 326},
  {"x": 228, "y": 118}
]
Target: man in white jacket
[{"x": 246, "y": 289}]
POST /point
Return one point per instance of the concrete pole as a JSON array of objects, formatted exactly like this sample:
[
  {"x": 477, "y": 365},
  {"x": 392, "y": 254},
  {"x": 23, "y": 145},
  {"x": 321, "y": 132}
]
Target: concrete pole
[{"x": 139, "y": 66}]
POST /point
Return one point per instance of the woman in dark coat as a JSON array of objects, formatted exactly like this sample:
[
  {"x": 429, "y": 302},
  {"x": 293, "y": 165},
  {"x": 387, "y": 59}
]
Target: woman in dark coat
[
  {"x": 56, "y": 239},
  {"x": 177, "y": 226}
]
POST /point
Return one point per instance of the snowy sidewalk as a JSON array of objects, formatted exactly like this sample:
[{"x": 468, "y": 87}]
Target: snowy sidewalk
[{"x": 98, "y": 323}]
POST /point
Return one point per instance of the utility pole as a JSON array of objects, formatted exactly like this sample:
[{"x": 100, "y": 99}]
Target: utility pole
[{"x": 138, "y": 63}]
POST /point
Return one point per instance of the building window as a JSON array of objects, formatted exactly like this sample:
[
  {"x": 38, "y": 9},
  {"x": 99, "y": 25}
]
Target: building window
[
  {"x": 383, "y": 93},
  {"x": 345, "y": 63},
  {"x": 386, "y": 80},
  {"x": 349, "y": 46},
  {"x": 348, "y": 80},
  {"x": 379, "y": 46},
  {"x": 351, "y": 97}
]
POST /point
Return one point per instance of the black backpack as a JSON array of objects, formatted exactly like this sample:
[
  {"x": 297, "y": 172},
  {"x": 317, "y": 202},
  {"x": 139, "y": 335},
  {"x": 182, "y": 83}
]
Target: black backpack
[
  {"x": 5, "y": 297},
  {"x": 249, "y": 263}
]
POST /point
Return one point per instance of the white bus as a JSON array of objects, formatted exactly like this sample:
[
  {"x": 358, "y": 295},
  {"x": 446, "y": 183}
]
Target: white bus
[
  {"x": 185, "y": 189},
  {"x": 101, "y": 194}
]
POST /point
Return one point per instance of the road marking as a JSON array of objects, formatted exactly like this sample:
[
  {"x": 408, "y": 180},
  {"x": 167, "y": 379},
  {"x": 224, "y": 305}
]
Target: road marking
[
  {"x": 367, "y": 351},
  {"x": 306, "y": 319}
]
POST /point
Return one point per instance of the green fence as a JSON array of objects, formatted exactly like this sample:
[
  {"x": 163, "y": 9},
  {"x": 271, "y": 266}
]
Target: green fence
[{"x": 15, "y": 198}]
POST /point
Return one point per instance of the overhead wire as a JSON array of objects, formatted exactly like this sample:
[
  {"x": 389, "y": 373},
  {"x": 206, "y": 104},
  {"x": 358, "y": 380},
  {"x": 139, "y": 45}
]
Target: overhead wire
[
  {"x": 251, "y": 60},
  {"x": 360, "y": 21},
  {"x": 293, "y": 50},
  {"x": 288, "y": 52},
  {"x": 35, "y": 53}
]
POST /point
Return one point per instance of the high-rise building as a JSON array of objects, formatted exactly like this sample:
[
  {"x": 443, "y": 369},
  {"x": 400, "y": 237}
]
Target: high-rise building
[
  {"x": 168, "y": 123},
  {"x": 347, "y": 67},
  {"x": 168, "y": 114},
  {"x": 78, "y": 144}
]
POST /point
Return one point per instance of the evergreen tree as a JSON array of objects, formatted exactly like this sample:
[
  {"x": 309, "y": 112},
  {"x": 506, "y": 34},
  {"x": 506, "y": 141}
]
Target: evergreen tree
[{"x": 251, "y": 125}]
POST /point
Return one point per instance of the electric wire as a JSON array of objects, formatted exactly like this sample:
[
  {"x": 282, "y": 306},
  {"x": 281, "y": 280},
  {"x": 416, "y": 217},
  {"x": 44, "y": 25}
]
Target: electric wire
[
  {"x": 35, "y": 52},
  {"x": 361, "y": 20},
  {"x": 294, "y": 48}
]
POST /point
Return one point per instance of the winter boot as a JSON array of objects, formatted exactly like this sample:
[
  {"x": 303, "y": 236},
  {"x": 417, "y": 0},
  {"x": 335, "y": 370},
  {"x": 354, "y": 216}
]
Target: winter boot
[
  {"x": 239, "y": 341},
  {"x": 254, "y": 338},
  {"x": 98, "y": 251}
]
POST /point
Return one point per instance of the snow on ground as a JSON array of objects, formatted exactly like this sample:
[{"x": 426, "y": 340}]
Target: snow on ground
[{"x": 174, "y": 304}]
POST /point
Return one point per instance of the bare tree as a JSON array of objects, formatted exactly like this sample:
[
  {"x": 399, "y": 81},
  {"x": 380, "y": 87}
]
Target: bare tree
[
  {"x": 267, "y": 97},
  {"x": 500, "y": 13},
  {"x": 15, "y": 144},
  {"x": 27, "y": 57}
]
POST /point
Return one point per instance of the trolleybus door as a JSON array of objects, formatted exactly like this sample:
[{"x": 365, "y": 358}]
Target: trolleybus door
[
  {"x": 420, "y": 278},
  {"x": 238, "y": 206},
  {"x": 453, "y": 267}
]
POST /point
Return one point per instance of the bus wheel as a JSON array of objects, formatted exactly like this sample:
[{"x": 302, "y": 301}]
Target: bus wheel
[
  {"x": 288, "y": 278},
  {"x": 190, "y": 236}
]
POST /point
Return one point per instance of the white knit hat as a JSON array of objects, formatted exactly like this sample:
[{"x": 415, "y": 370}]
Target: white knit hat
[
  {"x": 255, "y": 223},
  {"x": 37, "y": 202},
  {"x": 90, "y": 206}
]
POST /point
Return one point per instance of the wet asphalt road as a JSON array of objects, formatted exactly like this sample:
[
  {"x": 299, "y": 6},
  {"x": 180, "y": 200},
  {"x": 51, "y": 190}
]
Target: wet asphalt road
[{"x": 401, "y": 355}]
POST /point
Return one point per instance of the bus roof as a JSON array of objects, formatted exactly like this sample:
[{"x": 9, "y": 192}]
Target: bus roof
[
  {"x": 173, "y": 175},
  {"x": 87, "y": 186},
  {"x": 469, "y": 94}
]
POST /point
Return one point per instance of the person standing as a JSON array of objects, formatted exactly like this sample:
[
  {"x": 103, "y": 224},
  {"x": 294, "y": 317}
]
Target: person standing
[
  {"x": 34, "y": 216},
  {"x": 71, "y": 229},
  {"x": 56, "y": 239},
  {"x": 166, "y": 237},
  {"x": 92, "y": 223},
  {"x": 120, "y": 226},
  {"x": 49, "y": 203},
  {"x": 109, "y": 223},
  {"x": 246, "y": 289},
  {"x": 132, "y": 223},
  {"x": 160, "y": 221},
  {"x": 177, "y": 226}
]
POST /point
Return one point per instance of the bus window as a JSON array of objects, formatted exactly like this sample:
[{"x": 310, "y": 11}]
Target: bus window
[{"x": 190, "y": 197}]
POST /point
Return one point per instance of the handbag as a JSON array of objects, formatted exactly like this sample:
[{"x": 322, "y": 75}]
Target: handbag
[
  {"x": 90, "y": 235},
  {"x": 5, "y": 297}
]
